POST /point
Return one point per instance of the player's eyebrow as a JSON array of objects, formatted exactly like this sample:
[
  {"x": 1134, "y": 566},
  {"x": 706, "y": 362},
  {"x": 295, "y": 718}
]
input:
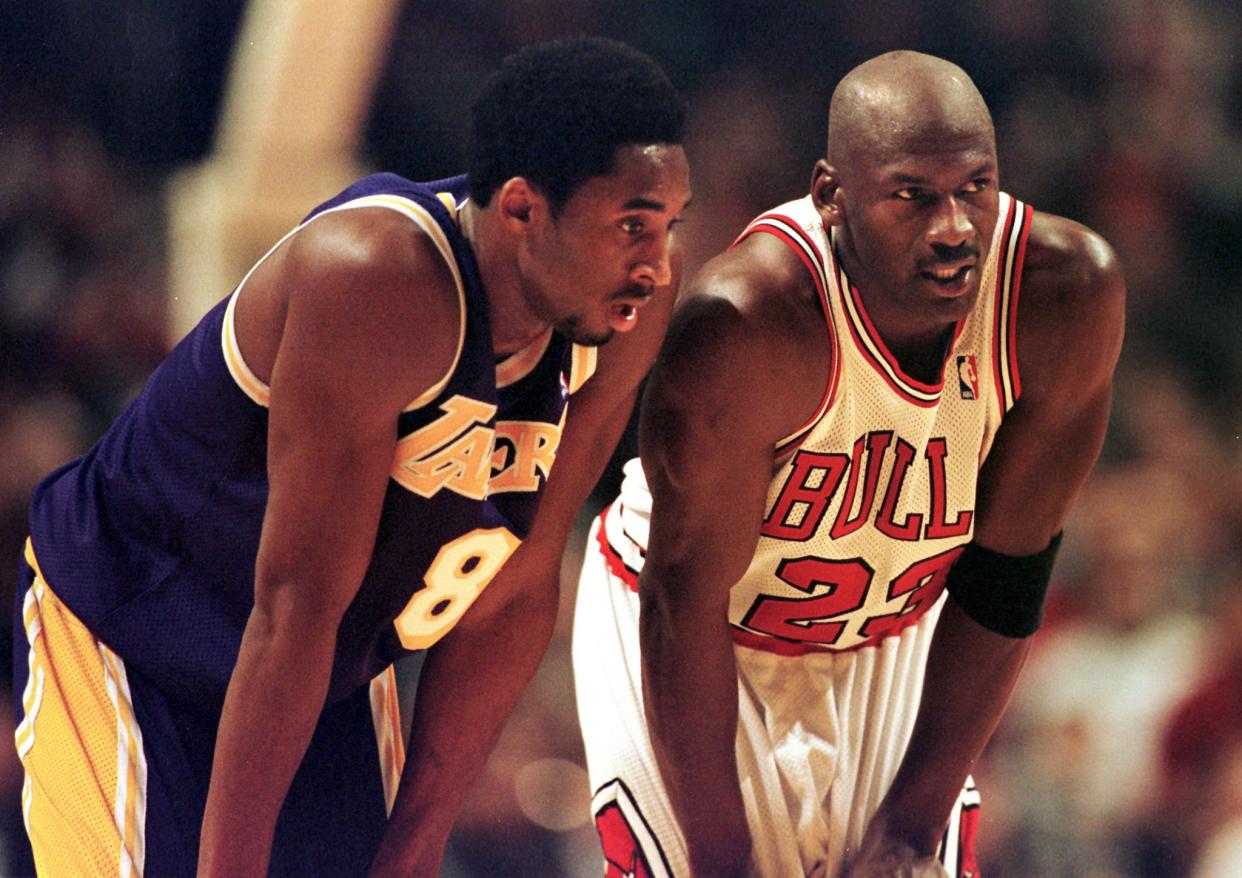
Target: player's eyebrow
[
  {"x": 649, "y": 204},
  {"x": 988, "y": 167},
  {"x": 643, "y": 204},
  {"x": 904, "y": 178},
  {"x": 901, "y": 179}
]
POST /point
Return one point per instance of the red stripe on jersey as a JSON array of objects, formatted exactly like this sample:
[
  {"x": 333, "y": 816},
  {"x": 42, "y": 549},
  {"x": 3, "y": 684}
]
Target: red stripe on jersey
[
  {"x": 758, "y": 226},
  {"x": 794, "y": 648},
  {"x": 830, "y": 391},
  {"x": 998, "y": 308},
  {"x": 894, "y": 378},
  {"x": 616, "y": 566},
  {"x": 1018, "y": 259},
  {"x": 967, "y": 860}
]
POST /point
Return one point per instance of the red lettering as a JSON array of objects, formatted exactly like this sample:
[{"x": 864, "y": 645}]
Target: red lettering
[
  {"x": 937, "y": 527},
  {"x": 884, "y": 522},
  {"x": 802, "y": 619},
  {"x": 876, "y": 443},
  {"x": 922, "y": 581},
  {"x": 813, "y": 479}
]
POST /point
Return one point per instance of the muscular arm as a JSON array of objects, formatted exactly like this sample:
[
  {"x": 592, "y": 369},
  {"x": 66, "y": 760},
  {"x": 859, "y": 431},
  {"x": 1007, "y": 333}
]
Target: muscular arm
[
  {"x": 1070, "y": 322},
  {"x": 723, "y": 393},
  {"x": 472, "y": 679},
  {"x": 337, "y": 306}
]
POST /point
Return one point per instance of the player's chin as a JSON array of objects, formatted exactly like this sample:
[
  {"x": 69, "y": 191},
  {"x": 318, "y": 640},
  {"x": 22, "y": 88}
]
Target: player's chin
[
  {"x": 952, "y": 304},
  {"x": 588, "y": 336}
]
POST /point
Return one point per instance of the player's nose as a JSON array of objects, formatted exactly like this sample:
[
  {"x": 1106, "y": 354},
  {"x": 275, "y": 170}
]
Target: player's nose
[
  {"x": 654, "y": 269},
  {"x": 654, "y": 274},
  {"x": 950, "y": 225}
]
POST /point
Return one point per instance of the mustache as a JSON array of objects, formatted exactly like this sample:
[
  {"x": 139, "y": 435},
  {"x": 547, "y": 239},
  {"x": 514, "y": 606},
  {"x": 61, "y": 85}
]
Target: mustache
[{"x": 943, "y": 255}]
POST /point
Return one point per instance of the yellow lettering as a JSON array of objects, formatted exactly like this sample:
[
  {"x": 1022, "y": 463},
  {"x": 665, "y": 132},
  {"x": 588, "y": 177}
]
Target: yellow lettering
[
  {"x": 453, "y": 451},
  {"x": 534, "y": 451},
  {"x": 457, "y": 575}
]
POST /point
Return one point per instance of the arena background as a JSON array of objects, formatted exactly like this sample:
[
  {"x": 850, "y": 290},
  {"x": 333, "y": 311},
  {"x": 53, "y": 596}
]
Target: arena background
[{"x": 148, "y": 148}]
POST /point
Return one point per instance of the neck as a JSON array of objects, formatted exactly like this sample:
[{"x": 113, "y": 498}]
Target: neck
[
  {"x": 918, "y": 341},
  {"x": 514, "y": 325}
]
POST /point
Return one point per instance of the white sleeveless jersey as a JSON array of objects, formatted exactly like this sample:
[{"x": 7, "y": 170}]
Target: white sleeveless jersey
[
  {"x": 874, "y": 497},
  {"x": 869, "y": 504},
  {"x": 877, "y": 493}
]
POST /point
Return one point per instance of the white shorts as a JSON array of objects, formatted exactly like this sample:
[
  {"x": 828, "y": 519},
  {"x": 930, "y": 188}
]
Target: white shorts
[{"x": 820, "y": 735}]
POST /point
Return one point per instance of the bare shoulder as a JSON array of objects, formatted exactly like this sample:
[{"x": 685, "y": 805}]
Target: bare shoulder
[
  {"x": 747, "y": 345},
  {"x": 367, "y": 291},
  {"x": 1071, "y": 314},
  {"x": 1071, "y": 310},
  {"x": 1067, "y": 258},
  {"x": 380, "y": 265}
]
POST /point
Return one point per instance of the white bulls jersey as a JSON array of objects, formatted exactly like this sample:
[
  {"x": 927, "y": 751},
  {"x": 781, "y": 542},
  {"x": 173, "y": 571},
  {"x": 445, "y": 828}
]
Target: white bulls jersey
[
  {"x": 877, "y": 493},
  {"x": 869, "y": 504}
]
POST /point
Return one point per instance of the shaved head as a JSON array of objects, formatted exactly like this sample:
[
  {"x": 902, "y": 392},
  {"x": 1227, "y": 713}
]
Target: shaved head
[
  {"x": 911, "y": 186},
  {"x": 903, "y": 103}
]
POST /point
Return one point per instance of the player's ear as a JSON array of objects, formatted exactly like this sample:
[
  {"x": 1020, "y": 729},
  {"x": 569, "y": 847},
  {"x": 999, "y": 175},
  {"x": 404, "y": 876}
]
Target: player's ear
[
  {"x": 825, "y": 192},
  {"x": 520, "y": 203}
]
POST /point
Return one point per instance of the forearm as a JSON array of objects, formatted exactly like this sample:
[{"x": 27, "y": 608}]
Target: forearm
[
  {"x": 470, "y": 683},
  {"x": 690, "y": 698},
  {"x": 474, "y": 677},
  {"x": 970, "y": 676},
  {"x": 268, "y": 718}
]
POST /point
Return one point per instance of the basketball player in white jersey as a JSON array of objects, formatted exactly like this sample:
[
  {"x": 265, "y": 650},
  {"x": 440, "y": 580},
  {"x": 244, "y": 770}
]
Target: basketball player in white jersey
[{"x": 867, "y": 425}]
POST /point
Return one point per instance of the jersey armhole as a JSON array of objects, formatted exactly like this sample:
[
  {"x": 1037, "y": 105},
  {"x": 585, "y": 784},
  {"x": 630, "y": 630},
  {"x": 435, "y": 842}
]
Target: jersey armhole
[
  {"x": 259, "y": 392},
  {"x": 582, "y": 364},
  {"x": 793, "y": 236},
  {"x": 1008, "y": 284}
]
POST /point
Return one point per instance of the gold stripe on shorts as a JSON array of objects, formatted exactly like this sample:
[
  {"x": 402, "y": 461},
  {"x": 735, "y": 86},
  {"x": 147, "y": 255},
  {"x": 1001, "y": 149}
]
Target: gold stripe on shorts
[
  {"x": 386, "y": 715},
  {"x": 84, "y": 795}
]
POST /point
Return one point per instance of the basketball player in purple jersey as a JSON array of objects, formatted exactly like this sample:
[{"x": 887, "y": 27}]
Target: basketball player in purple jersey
[
  {"x": 796, "y": 633},
  {"x": 351, "y": 459}
]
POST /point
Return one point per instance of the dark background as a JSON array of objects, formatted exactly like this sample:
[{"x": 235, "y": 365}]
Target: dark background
[{"x": 1121, "y": 755}]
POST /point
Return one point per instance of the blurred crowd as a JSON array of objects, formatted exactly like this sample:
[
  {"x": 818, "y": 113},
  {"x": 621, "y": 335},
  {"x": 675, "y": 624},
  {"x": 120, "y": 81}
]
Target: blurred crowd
[{"x": 1121, "y": 756}]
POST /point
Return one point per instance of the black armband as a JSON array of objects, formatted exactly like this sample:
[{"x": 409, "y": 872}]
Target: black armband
[{"x": 1003, "y": 593}]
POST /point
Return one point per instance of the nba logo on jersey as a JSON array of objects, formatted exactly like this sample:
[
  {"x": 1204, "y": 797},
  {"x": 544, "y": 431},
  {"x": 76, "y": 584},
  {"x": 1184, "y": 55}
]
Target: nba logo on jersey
[{"x": 967, "y": 376}]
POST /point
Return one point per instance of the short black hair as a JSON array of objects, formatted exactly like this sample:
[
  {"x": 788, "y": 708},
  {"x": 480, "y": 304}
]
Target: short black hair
[{"x": 556, "y": 112}]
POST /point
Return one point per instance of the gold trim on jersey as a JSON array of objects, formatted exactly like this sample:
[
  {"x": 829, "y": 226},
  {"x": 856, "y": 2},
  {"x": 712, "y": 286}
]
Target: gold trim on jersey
[
  {"x": 84, "y": 793},
  {"x": 517, "y": 366},
  {"x": 386, "y": 716},
  {"x": 259, "y": 392},
  {"x": 447, "y": 199},
  {"x": 582, "y": 365}
]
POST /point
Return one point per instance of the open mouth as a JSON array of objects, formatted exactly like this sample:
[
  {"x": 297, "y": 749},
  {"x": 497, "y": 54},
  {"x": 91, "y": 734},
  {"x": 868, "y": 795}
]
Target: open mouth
[
  {"x": 624, "y": 307},
  {"x": 950, "y": 280},
  {"x": 623, "y": 316}
]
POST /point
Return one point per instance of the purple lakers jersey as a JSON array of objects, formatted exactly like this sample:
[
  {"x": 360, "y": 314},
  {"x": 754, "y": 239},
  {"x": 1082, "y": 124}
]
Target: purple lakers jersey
[{"x": 151, "y": 536}]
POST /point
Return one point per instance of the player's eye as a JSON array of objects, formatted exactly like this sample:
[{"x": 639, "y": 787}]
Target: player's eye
[
  {"x": 974, "y": 187},
  {"x": 910, "y": 193},
  {"x": 632, "y": 225}
]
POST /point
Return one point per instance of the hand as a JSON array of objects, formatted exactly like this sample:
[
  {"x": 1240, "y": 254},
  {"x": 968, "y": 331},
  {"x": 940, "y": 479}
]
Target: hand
[{"x": 881, "y": 856}]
